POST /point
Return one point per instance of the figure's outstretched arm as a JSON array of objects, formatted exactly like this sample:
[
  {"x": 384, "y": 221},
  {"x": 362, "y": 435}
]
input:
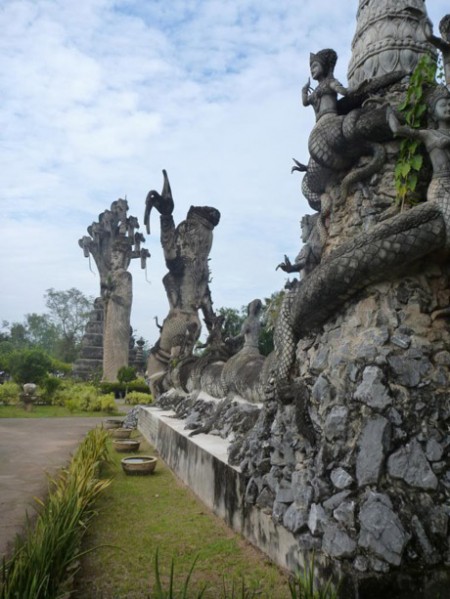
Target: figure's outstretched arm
[
  {"x": 401, "y": 130},
  {"x": 338, "y": 87},
  {"x": 439, "y": 43}
]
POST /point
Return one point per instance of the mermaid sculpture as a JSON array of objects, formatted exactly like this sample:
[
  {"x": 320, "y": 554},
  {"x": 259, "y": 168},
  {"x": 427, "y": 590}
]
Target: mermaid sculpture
[{"x": 344, "y": 131}]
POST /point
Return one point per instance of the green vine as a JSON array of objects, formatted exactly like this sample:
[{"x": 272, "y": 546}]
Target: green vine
[{"x": 413, "y": 109}]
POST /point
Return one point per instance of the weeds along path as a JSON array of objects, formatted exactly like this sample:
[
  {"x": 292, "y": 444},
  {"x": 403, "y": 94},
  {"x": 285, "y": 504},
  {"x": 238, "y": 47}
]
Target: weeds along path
[{"x": 29, "y": 448}]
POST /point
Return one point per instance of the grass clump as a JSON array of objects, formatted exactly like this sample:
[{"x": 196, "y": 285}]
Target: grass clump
[
  {"x": 303, "y": 586},
  {"x": 42, "y": 557}
]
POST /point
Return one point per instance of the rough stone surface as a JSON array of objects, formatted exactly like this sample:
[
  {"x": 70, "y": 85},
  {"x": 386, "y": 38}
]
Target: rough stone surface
[
  {"x": 340, "y": 478},
  {"x": 337, "y": 543},
  {"x": 372, "y": 390},
  {"x": 373, "y": 444},
  {"x": 381, "y": 532},
  {"x": 410, "y": 464}
]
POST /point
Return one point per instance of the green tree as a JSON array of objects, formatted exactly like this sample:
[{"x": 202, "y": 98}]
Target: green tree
[
  {"x": 233, "y": 321},
  {"x": 42, "y": 332},
  {"x": 69, "y": 312}
]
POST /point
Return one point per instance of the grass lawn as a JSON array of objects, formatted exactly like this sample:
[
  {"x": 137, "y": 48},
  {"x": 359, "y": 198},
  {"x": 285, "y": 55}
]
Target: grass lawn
[
  {"x": 141, "y": 514},
  {"x": 46, "y": 412}
]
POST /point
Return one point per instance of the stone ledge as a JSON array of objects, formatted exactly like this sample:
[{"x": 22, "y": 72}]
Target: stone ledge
[{"x": 201, "y": 463}]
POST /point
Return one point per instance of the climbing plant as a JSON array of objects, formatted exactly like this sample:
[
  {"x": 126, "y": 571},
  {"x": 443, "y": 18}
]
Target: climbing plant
[{"x": 413, "y": 109}]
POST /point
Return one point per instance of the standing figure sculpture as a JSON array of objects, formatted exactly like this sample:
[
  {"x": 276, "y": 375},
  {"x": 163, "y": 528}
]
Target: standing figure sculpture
[
  {"x": 437, "y": 143},
  {"x": 441, "y": 43},
  {"x": 113, "y": 243},
  {"x": 344, "y": 131},
  {"x": 186, "y": 250}
]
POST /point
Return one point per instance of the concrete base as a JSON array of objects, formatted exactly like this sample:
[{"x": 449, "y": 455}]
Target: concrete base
[{"x": 201, "y": 463}]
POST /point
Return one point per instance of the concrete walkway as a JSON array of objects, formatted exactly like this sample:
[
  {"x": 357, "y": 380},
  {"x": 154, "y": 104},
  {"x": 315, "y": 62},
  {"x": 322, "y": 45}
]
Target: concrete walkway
[{"x": 29, "y": 448}]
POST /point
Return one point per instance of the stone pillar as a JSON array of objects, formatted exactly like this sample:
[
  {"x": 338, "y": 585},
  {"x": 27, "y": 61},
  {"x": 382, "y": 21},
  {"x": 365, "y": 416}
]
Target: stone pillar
[{"x": 113, "y": 242}]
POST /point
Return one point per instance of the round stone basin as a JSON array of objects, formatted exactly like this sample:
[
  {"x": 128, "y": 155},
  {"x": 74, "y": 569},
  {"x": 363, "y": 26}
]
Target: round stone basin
[
  {"x": 126, "y": 445},
  {"x": 120, "y": 433},
  {"x": 144, "y": 464},
  {"x": 111, "y": 423}
]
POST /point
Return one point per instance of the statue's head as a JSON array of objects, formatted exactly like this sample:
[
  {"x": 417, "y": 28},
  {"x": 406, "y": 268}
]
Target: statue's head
[
  {"x": 444, "y": 28},
  {"x": 439, "y": 95},
  {"x": 326, "y": 59},
  {"x": 210, "y": 217},
  {"x": 254, "y": 307}
]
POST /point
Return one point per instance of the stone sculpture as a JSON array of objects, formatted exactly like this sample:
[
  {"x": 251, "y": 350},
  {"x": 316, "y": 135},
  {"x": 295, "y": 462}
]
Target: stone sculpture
[
  {"x": 241, "y": 373},
  {"x": 113, "y": 242},
  {"x": 344, "y": 131},
  {"x": 348, "y": 450},
  {"x": 186, "y": 250}
]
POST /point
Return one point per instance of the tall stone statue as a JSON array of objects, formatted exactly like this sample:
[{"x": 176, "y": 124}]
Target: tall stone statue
[
  {"x": 113, "y": 242},
  {"x": 389, "y": 37},
  {"x": 186, "y": 250}
]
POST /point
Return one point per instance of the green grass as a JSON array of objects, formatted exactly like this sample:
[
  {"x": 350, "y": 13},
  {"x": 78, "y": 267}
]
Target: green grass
[
  {"x": 139, "y": 515},
  {"x": 47, "y": 412}
]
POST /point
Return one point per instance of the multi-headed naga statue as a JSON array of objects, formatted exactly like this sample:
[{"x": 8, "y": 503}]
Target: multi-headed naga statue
[
  {"x": 186, "y": 250},
  {"x": 113, "y": 242}
]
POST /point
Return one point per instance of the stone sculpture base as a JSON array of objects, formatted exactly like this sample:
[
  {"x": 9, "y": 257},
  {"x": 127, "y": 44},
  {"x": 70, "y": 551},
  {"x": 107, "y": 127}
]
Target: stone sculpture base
[
  {"x": 202, "y": 464},
  {"x": 368, "y": 488}
]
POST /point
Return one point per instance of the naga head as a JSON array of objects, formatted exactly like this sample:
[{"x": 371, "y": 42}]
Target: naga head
[{"x": 163, "y": 202}]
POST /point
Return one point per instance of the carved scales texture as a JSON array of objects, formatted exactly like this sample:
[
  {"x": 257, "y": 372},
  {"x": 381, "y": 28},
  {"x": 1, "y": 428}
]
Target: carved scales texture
[
  {"x": 366, "y": 259},
  {"x": 388, "y": 38}
]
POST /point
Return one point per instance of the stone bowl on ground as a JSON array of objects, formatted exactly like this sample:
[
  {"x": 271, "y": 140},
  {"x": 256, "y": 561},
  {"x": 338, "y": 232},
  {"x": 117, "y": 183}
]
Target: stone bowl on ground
[
  {"x": 111, "y": 423},
  {"x": 120, "y": 433},
  {"x": 126, "y": 445},
  {"x": 144, "y": 464}
]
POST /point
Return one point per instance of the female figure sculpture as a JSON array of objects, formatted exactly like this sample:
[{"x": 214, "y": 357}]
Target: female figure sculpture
[{"x": 436, "y": 141}]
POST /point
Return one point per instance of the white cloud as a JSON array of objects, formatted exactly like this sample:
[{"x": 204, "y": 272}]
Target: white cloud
[{"x": 99, "y": 95}]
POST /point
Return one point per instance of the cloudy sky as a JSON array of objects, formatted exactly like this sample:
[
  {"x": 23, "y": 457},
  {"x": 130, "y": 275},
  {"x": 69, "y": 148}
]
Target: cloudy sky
[{"x": 98, "y": 96}]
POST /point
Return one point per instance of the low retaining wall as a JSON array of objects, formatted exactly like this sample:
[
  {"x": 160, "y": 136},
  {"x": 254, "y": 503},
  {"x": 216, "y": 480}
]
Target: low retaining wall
[{"x": 201, "y": 463}]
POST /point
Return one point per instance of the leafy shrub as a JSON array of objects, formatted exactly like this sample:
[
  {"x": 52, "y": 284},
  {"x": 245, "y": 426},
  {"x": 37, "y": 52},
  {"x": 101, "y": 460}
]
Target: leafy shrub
[
  {"x": 135, "y": 397},
  {"x": 29, "y": 366},
  {"x": 119, "y": 389},
  {"x": 49, "y": 387},
  {"x": 9, "y": 394},
  {"x": 84, "y": 397}
]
